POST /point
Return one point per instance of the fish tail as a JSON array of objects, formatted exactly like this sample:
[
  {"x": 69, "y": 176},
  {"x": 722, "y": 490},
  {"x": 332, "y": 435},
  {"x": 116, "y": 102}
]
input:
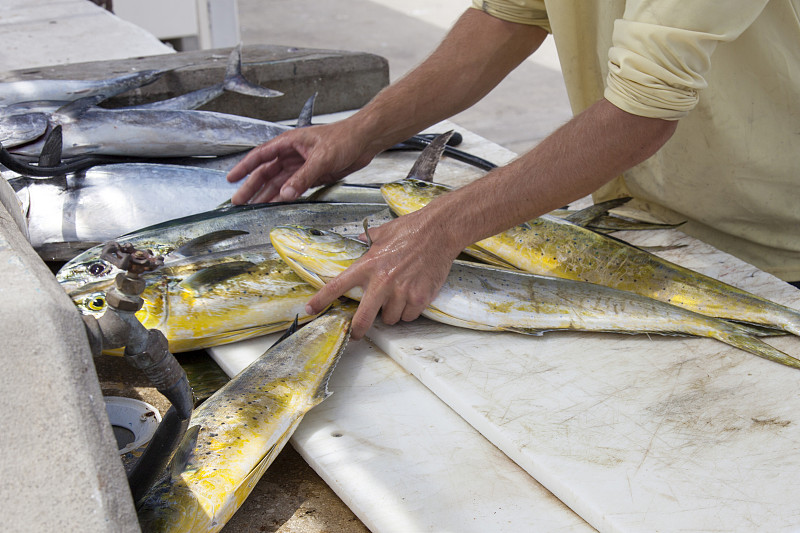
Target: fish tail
[
  {"x": 346, "y": 310},
  {"x": 237, "y": 83},
  {"x": 755, "y": 346}
]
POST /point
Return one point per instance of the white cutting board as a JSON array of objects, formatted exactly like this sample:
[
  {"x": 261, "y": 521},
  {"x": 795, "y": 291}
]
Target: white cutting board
[
  {"x": 634, "y": 433},
  {"x": 405, "y": 462}
]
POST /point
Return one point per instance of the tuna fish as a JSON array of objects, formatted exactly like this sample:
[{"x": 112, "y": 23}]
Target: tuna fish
[
  {"x": 168, "y": 128},
  {"x": 69, "y": 214},
  {"x": 12, "y": 92},
  {"x": 236, "y": 434}
]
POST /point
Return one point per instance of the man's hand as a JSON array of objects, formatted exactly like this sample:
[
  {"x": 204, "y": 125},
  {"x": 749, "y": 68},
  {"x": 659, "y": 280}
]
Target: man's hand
[
  {"x": 285, "y": 167},
  {"x": 400, "y": 274}
]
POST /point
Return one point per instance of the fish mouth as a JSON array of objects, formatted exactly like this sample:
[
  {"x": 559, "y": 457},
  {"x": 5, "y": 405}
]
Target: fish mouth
[{"x": 288, "y": 241}]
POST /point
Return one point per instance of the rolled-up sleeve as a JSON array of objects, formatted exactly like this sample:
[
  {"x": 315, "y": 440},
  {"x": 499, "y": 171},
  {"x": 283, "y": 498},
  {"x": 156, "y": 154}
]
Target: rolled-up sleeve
[
  {"x": 532, "y": 12},
  {"x": 661, "y": 51}
]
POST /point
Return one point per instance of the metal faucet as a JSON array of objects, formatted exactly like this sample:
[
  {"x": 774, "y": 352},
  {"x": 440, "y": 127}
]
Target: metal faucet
[{"x": 147, "y": 350}]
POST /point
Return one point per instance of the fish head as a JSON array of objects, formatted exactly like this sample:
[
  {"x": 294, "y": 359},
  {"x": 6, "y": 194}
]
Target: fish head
[
  {"x": 316, "y": 255},
  {"x": 409, "y": 195},
  {"x": 91, "y": 302},
  {"x": 90, "y": 299},
  {"x": 87, "y": 269}
]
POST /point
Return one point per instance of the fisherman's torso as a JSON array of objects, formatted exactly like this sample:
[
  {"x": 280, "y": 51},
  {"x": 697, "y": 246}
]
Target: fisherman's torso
[{"x": 731, "y": 168}]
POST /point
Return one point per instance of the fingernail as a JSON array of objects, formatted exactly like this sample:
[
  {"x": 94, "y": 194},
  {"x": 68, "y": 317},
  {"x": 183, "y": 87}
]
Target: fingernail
[
  {"x": 309, "y": 310},
  {"x": 289, "y": 193}
]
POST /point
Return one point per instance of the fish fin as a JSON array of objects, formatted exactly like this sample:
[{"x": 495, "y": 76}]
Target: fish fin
[
  {"x": 235, "y": 82},
  {"x": 184, "y": 453},
  {"x": 587, "y": 215},
  {"x": 322, "y": 391},
  {"x": 425, "y": 165},
  {"x": 307, "y": 113},
  {"x": 293, "y": 327},
  {"x": 664, "y": 248},
  {"x": 74, "y": 110},
  {"x": 524, "y": 331},
  {"x": 348, "y": 309},
  {"x": 611, "y": 223},
  {"x": 226, "y": 337},
  {"x": 488, "y": 257},
  {"x": 758, "y": 330},
  {"x": 207, "y": 278},
  {"x": 51, "y": 150},
  {"x": 754, "y": 346},
  {"x": 445, "y": 318},
  {"x": 251, "y": 479},
  {"x": 201, "y": 243}
]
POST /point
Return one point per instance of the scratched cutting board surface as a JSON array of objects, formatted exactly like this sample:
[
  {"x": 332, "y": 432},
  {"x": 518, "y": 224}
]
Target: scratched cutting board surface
[
  {"x": 634, "y": 433},
  {"x": 405, "y": 462}
]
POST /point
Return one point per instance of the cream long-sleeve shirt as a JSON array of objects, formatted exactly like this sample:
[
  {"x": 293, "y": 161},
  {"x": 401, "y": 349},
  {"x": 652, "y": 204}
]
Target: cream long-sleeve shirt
[{"x": 729, "y": 70}]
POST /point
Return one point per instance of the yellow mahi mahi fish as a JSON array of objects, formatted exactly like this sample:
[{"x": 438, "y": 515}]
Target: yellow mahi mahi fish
[
  {"x": 236, "y": 434},
  {"x": 489, "y": 298},
  {"x": 214, "y": 299},
  {"x": 551, "y": 246}
]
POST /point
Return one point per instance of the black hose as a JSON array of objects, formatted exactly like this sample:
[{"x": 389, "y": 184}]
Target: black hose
[
  {"x": 419, "y": 142},
  {"x": 76, "y": 164},
  {"x": 155, "y": 459}
]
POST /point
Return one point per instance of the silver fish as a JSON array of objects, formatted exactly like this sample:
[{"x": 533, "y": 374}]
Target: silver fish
[
  {"x": 91, "y": 130},
  {"x": 18, "y": 129},
  {"x": 67, "y": 214},
  {"x": 496, "y": 299},
  {"x": 12, "y": 92},
  {"x": 221, "y": 229},
  {"x": 236, "y": 434}
]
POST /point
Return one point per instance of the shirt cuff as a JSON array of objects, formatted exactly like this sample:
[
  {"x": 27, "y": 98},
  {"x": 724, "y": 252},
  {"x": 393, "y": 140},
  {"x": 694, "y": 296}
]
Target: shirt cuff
[{"x": 531, "y": 12}]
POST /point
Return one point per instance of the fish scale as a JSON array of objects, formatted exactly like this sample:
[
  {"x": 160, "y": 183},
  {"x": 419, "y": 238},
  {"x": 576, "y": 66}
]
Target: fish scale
[
  {"x": 551, "y": 246},
  {"x": 198, "y": 302},
  {"x": 488, "y": 298},
  {"x": 219, "y": 230},
  {"x": 236, "y": 433}
]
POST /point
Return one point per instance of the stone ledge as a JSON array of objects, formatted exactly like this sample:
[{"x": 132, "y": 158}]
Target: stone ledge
[{"x": 343, "y": 80}]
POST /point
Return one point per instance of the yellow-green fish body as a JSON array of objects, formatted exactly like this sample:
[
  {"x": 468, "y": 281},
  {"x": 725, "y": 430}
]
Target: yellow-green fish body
[
  {"x": 551, "y": 246},
  {"x": 214, "y": 299},
  {"x": 236, "y": 433},
  {"x": 488, "y": 298}
]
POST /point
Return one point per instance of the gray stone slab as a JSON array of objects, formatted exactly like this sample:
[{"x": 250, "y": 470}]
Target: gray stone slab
[
  {"x": 343, "y": 80},
  {"x": 60, "y": 467}
]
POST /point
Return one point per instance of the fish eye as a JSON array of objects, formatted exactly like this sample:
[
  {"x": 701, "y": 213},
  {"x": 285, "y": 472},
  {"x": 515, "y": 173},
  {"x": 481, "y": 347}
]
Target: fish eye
[
  {"x": 315, "y": 232},
  {"x": 423, "y": 184},
  {"x": 96, "y": 303},
  {"x": 96, "y": 269}
]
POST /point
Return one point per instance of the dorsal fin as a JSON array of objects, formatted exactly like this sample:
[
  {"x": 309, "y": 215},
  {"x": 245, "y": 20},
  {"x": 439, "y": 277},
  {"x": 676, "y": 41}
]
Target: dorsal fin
[
  {"x": 237, "y": 83},
  {"x": 75, "y": 109},
  {"x": 199, "y": 244},
  {"x": 589, "y": 214},
  {"x": 425, "y": 165},
  {"x": 307, "y": 113},
  {"x": 51, "y": 150}
]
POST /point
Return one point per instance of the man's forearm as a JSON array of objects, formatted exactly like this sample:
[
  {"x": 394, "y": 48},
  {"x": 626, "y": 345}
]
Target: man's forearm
[
  {"x": 474, "y": 57},
  {"x": 587, "y": 152}
]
